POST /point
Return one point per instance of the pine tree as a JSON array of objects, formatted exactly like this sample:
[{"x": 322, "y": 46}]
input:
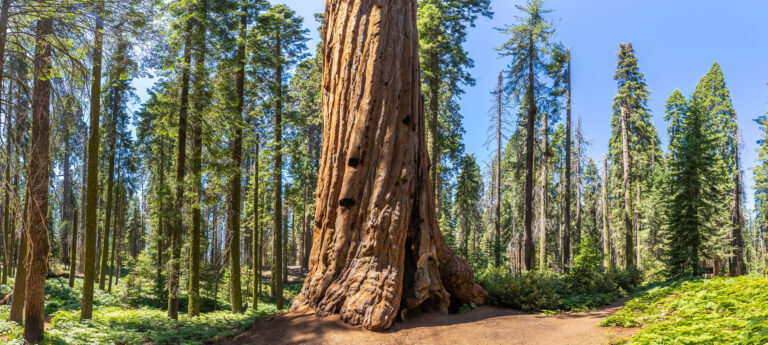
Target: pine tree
[
  {"x": 37, "y": 183},
  {"x": 634, "y": 142},
  {"x": 712, "y": 97},
  {"x": 466, "y": 206},
  {"x": 198, "y": 110},
  {"x": 761, "y": 188},
  {"x": 93, "y": 167},
  {"x": 283, "y": 43},
  {"x": 527, "y": 45},
  {"x": 443, "y": 27},
  {"x": 176, "y": 232},
  {"x": 693, "y": 185},
  {"x": 236, "y": 148}
]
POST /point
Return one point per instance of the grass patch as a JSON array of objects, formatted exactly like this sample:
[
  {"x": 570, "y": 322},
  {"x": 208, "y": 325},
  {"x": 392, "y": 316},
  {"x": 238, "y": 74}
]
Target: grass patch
[
  {"x": 696, "y": 311},
  {"x": 115, "y": 322}
]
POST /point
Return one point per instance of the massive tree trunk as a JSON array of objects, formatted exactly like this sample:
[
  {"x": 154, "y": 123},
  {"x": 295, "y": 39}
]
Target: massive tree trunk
[
  {"x": 377, "y": 249},
  {"x": 233, "y": 211},
  {"x": 196, "y": 163},
  {"x": 544, "y": 193},
  {"x": 38, "y": 175},
  {"x": 92, "y": 198},
  {"x": 606, "y": 225},
  {"x": 629, "y": 252},
  {"x": 181, "y": 159}
]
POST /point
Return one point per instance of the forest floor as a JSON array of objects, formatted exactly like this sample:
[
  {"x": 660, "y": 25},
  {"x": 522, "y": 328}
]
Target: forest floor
[{"x": 482, "y": 325}]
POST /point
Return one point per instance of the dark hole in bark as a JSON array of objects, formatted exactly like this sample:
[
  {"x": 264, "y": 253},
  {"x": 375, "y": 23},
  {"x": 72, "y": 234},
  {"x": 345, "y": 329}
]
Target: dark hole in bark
[
  {"x": 407, "y": 120},
  {"x": 411, "y": 258},
  {"x": 454, "y": 306},
  {"x": 346, "y": 203},
  {"x": 353, "y": 162}
]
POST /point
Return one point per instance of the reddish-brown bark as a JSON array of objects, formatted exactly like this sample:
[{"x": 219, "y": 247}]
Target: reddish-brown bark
[
  {"x": 377, "y": 250},
  {"x": 37, "y": 231}
]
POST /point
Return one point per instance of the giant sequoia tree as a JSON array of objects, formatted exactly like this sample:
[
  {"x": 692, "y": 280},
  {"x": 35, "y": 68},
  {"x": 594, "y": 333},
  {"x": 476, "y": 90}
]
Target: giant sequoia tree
[{"x": 377, "y": 249}]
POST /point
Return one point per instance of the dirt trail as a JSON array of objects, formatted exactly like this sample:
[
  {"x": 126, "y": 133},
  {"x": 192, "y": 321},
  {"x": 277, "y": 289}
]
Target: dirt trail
[{"x": 483, "y": 325}]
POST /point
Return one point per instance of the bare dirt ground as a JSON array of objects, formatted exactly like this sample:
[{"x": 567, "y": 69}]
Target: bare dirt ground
[{"x": 483, "y": 325}]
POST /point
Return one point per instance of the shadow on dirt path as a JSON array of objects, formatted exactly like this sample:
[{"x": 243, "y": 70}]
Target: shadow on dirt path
[{"x": 483, "y": 325}]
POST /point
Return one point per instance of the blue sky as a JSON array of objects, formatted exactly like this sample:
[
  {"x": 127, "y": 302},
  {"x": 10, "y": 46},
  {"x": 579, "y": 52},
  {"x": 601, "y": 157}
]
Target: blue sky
[{"x": 676, "y": 42}]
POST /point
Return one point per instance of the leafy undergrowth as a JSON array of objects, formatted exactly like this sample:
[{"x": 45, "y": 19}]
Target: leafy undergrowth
[
  {"x": 117, "y": 323},
  {"x": 696, "y": 311},
  {"x": 587, "y": 286}
]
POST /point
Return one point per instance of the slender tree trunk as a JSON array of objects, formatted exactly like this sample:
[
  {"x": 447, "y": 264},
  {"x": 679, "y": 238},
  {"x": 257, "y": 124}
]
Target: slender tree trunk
[
  {"x": 65, "y": 200},
  {"x": 284, "y": 255},
  {"x": 544, "y": 193},
  {"x": 83, "y": 193},
  {"x": 4, "y": 14},
  {"x": 737, "y": 218},
  {"x": 497, "y": 238},
  {"x": 277, "y": 267},
  {"x": 567, "y": 189},
  {"x": 256, "y": 231},
  {"x": 161, "y": 219},
  {"x": 8, "y": 232},
  {"x": 636, "y": 223},
  {"x": 378, "y": 250},
  {"x": 73, "y": 250},
  {"x": 529, "y": 144},
  {"x": 196, "y": 163},
  {"x": 434, "y": 112},
  {"x": 20, "y": 283},
  {"x": 306, "y": 245},
  {"x": 38, "y": 178},
  {"x": 579, "y": 186},
  {"x": 629, "y": 251},
  {"x": 260, "y": 258},
  {"x": 91, "y": 222},
  {"x": 108, "y": 214},
  {"x": 118, "y": 217},
  {"x": 606, "y": 222},
  {"x": 237, "y": 147},
  {"x": 181, "y": 159}
]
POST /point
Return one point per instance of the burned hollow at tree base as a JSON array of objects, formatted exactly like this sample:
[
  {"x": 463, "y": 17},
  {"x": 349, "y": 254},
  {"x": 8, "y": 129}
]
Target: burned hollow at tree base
[{"x": 377, "y": 252}]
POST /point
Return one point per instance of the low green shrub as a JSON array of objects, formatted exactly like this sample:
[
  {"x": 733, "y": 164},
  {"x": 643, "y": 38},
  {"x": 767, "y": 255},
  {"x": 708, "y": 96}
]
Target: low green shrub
[
  {"x": 530, "y": 291},
  {"x": 628, "y": 279},
  {"x": 585, "y": 287}
]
